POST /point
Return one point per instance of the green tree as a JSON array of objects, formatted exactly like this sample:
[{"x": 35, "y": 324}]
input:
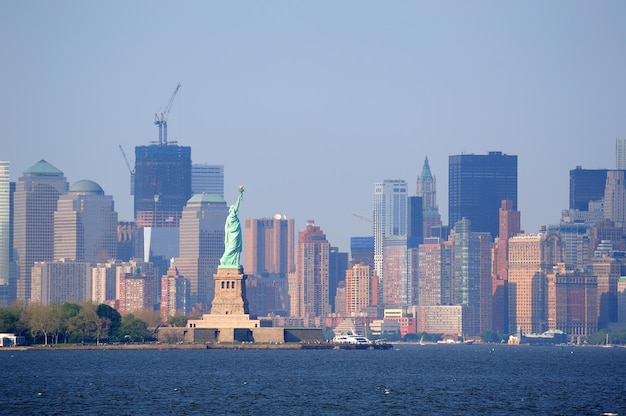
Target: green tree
[
  {"x": 10, "y": 320},
  {"x": 133, "y": 329},
  {"x": 84, "y": 323},
  {"x": 178, "y": 320},
  {"x": 68, "y": 312},
  {"x": 110, "y": 318},
  {"x": 40, "y": 320}
]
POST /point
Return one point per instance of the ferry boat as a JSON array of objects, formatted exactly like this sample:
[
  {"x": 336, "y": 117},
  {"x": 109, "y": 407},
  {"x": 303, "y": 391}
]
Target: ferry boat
[{"x": 358, "y": 342}]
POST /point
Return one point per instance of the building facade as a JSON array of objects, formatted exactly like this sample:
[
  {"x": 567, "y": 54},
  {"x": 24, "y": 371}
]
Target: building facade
[
  {"x": 85, "y": 224},
  {"x": 586, "y": 185},
  {"x": 390, "y": 216},
  {"x": 427, "y": 190},
  {"x": 202, "y": 245},
  {"x": 531, "y": 258},
  {"x": 477, "y": 186},
  {"x": 207, "y": 179},
  {"x": 5, "y": 232},
  {"x": 269, "y": 246},
  {"x": 310, "y": 294},
  {"x": 35, "y": 201}
]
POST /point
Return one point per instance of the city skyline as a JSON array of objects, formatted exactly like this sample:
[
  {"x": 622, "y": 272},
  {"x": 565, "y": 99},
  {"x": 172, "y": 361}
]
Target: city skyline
[{"x": 367, "y": 92}]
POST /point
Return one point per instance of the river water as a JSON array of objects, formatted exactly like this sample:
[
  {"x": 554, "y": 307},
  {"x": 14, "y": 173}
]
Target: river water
[{"x": 408, "y": 380}]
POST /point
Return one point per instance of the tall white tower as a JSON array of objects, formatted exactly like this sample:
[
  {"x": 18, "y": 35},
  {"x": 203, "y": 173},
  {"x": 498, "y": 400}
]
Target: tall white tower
[
  {"x": 390, "y": 216},
  {"x": 5, "y": 200},
  {"x": 620, "y": 154}
]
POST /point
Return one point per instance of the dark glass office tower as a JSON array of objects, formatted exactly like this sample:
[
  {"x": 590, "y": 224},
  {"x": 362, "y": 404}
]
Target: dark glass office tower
[
  {"x": 586, "y": 185},
  {"x": 477, "y": 186},
  {"x": 162, "y": 184}
]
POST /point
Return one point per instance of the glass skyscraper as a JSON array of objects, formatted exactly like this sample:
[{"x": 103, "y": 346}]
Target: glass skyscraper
[
  {"x": 162, "y": 184},
  {"x": 477, "y": 186},
  {"x": 390, "y": 216},
  {"x": 5, "y": 230}
]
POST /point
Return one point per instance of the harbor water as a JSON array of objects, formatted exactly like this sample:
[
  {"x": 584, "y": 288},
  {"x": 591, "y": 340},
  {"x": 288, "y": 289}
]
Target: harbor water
[{"x": 407, "y": 380}]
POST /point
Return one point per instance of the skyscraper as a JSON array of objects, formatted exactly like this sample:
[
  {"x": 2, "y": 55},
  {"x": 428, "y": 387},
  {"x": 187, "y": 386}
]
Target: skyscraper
[
  {"x": 162, "y": 184},
  {"x": 60, "y": 281},
  {"x": 202, "y": 244},
  {"x": 620, "y": 153},
  {"x": 472, "y": 276},
  {"x": 615, "y": 196},
  {"x": 390, "y": 216},
  {"x": 162, "y": 188},
  {"x": 510, "y": 223},
  {"x": 208, "y": 179},
  {"x": 477, "y": 186},
  {"x": 435, "y": 273},
  {"x": 85, "y": 224},
  {"x": 531, "y": 257},
  {"x": 35, "y": 202},
  {"x": 269, "y": 246},
  {"x": 360, "y": 289},
  {"x": 5, "y": 224},
  {"x": 311, "y": 280},
  {"x": 427, "y": 189},
  {"x": 586, "y": 185}
]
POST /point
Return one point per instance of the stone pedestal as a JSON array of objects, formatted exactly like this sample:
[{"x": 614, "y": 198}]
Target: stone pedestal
[{"x": 230, "y": 293}]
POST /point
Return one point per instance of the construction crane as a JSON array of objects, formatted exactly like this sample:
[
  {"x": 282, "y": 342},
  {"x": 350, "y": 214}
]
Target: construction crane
[
  {"x": 132, "y": 172},
  {"x": 361, "y": 217},
  {"x": 160, "y": 119}
]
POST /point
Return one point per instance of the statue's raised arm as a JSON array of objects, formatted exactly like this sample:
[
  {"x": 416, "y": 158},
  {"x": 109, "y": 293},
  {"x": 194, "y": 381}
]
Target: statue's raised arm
[{"x": 232, "y": 236}]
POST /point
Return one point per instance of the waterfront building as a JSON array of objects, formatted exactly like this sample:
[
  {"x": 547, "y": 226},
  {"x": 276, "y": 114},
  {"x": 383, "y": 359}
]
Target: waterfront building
[
  {"x": 607, "y": 269},
  {"x": 390, "y": 217},
  {"x": 427, "y": 190},
  {"x": 207, "y": 179},
  {"x": 174, "y": 294},
  {"x": 311, "y": 276},
  {"x": 571, "y": 302},
  {"x": 477, "y": 186},
  {"x": 360, "y": 289},
  {"x": 85, "y": 224},
  {"x": 5, "y": 232},
  {"x": 472, "y": 275},
  {"x": 60, "y": 281},
  {"x": 202, "y": 245},
  {"x": 531, "y": 257},
  {"x": 585, "y": 186},
  {"x": 34, "y": 204},
  {"x": 441, "y": 319},
  {"x": 509, "y": 225},
  {"x": 621, "y": 300},
  {"x": 268, "y": 246},
  {"x": 435, "y": 273}
]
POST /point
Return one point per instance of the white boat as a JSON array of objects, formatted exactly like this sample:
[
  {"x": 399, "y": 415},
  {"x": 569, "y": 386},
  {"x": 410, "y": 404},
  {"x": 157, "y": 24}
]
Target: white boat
[{"x": 358, "y": 342}]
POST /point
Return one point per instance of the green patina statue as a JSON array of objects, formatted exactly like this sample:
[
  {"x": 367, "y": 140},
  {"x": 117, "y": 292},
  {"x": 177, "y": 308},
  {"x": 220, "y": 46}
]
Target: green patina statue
[{"x": 232, "y": 236}]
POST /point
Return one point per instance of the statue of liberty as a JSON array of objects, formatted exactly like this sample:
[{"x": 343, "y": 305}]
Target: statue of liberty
[{"x": 232, "y": 236}]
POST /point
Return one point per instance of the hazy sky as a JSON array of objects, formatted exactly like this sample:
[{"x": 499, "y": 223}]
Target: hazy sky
[{"x": 308, "y": 104}]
